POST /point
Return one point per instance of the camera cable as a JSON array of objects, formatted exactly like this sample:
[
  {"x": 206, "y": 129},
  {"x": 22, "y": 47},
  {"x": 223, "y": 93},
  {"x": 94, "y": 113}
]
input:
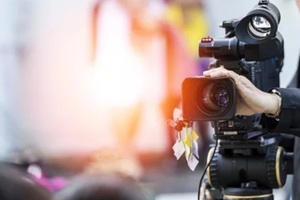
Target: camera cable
[{"x": 207, "y": 165}]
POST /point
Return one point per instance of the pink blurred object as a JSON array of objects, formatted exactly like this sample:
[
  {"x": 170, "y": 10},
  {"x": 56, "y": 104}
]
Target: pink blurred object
[{"x": 52, "y": 184}]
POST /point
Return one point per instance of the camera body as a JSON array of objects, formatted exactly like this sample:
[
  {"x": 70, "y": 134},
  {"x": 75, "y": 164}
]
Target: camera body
[{"x": 209, "y": 99}]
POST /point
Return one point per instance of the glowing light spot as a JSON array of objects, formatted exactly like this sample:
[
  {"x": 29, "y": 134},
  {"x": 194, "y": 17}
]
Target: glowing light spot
[{"x": 119, "y": 80}]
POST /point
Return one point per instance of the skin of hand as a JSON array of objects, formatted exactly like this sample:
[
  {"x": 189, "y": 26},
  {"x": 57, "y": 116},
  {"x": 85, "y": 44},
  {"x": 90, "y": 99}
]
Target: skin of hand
[{"x": 250, "y": 99}]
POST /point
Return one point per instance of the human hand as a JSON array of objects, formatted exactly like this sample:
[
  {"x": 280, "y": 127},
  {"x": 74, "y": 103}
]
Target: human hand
[{"x": 250, "y": 99}]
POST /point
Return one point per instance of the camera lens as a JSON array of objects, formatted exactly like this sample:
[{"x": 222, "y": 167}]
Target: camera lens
[
  {"x": 259, "y": 27},
  {"x": 208, "y": 98},
  {"x": 213, "y": 98}
]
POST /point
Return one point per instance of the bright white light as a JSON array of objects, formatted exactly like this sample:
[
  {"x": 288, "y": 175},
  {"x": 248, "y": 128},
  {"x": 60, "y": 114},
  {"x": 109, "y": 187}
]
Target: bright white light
[{"x": 119, "y": 80}]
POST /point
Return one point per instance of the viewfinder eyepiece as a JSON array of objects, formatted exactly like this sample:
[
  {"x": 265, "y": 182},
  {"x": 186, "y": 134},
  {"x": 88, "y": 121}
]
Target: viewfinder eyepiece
[{"x": 260, "y": 24}]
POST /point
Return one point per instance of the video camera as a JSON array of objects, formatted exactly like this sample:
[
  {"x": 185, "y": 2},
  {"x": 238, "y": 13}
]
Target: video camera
[{"x": 247, "y": 161}]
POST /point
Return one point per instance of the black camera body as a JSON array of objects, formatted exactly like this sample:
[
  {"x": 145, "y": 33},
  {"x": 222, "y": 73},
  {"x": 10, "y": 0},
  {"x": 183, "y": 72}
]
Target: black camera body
[
  {"x": 209, "y": 99},
  {"x": 260, "y": 63}
]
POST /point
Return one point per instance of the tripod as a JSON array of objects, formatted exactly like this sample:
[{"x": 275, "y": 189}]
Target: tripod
[{"x": 248, "y": 169}]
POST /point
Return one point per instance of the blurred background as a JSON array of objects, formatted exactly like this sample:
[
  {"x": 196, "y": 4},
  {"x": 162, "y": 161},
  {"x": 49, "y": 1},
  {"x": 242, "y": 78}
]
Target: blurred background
[{"x": 88, "y": 85}]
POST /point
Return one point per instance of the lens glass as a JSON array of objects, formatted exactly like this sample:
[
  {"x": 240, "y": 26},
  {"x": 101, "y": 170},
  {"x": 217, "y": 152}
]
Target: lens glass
[
  {"x": 214, "y": 98},
  {"x": 259, "y": 27}
]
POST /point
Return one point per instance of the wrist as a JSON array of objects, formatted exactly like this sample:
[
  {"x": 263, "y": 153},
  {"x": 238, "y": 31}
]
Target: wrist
[{"x": 275, "y": 105}]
